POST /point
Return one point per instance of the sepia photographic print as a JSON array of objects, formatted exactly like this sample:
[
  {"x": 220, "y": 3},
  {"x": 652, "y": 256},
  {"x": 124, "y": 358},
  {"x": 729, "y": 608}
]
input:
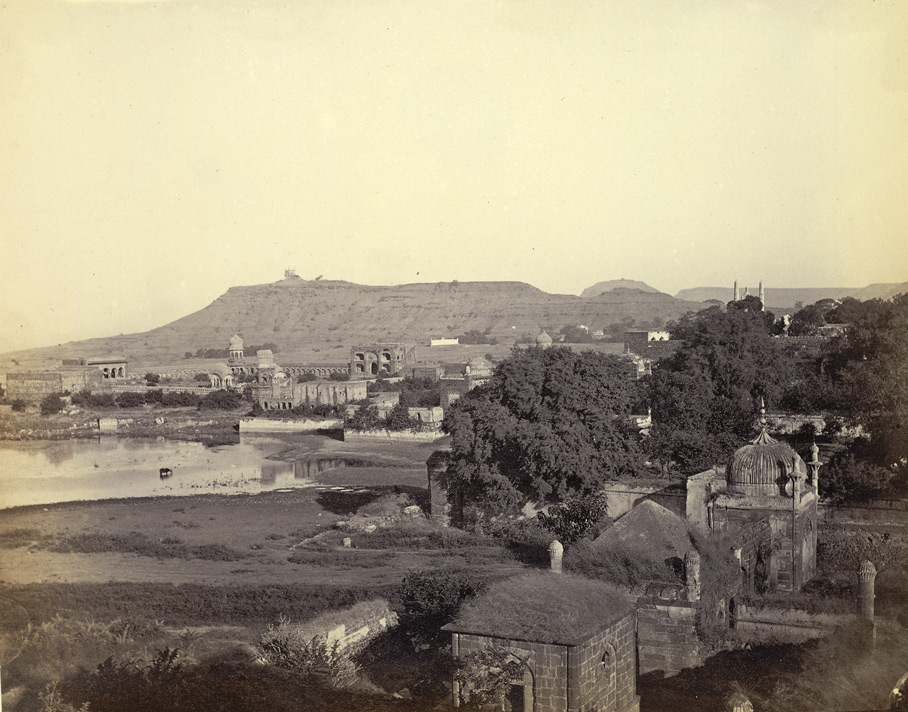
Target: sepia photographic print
[{"x": 405, "y": 356}]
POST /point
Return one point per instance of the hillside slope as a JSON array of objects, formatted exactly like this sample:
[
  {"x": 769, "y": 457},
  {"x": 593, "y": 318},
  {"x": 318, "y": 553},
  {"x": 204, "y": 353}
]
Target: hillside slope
[{"x": 297, "y": 314}]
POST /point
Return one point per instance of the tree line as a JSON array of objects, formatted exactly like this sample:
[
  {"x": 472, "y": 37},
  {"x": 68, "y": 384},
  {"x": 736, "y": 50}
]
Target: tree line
[{"x": 552, "y": 425}]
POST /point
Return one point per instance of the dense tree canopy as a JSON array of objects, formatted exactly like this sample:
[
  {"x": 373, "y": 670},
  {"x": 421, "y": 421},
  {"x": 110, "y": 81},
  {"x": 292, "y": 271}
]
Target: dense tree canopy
[
  {"x": 869, "y": 365},
  {"x": 550, "y": 424},
  {"x": 703, "y": 396}
]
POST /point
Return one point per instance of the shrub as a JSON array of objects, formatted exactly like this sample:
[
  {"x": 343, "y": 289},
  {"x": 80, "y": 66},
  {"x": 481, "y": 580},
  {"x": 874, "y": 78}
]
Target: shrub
[
  {"x": 285, "y": 646},
  {"x": 180, "y": 399},
  {"x": 575, "y": 518},
  {"x": 427, "y": 600},
  {"x": 51, "y": 403},
  {"x": 485, "y": 677},
  {"x": 18, "y": 405},
  {"x": 339, "y": 376},
  {"x": 152, "y": 379},
  {"x": 220, "y": 400},
  {"x": 130, "y": 399}
]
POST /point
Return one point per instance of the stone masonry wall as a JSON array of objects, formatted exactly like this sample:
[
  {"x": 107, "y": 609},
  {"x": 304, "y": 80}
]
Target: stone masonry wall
[
  {"x": 32, "y": 386},
  {"x": 666, "y": 632},
  {"x": 606, "y": 670}
]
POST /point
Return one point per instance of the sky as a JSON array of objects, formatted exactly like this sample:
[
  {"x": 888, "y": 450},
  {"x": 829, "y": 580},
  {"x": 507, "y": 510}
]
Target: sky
[{"x": 155, "y": 154}]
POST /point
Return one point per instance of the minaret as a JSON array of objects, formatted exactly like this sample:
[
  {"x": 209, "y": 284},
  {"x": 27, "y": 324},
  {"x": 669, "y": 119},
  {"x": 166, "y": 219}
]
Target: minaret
[
  {"x": 762, "y": 302},
  {"x": 735, "y": 297}
]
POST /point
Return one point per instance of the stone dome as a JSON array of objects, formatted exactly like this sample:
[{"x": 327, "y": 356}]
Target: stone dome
[
  {"x": 763, "y": 466},
  {"x": 543, "y": 339},
  {"x": 236, "y": 343},
  {"x": 220, "y": 369}
]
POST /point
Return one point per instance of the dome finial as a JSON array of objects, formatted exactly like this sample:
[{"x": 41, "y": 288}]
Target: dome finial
[{"x": 762, "y": 412}]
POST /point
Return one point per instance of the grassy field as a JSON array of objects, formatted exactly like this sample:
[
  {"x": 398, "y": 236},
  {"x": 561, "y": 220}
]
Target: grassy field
[{"x": 206, "y": 574}]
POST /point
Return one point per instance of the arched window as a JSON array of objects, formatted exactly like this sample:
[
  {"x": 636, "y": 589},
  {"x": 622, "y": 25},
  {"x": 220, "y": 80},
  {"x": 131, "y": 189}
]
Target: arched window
[{"x": 608, "y": 667}]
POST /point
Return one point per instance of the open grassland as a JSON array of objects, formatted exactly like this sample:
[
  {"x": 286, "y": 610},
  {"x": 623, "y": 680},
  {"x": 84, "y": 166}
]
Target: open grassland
[{"x": 206, "y": 574}]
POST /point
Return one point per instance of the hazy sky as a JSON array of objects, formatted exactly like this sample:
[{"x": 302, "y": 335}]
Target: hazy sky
[{"x": 156, "y": 153}]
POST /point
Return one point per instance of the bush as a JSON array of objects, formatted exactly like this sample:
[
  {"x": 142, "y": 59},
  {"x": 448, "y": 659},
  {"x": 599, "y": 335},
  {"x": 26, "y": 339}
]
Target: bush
[
  {"x": 220, "y": 400},
  {"x": 152, "y": 379},
  {"x": 286, "y": 647},
  {"x": 851, "y": 479},
  {"x": 575, "y": 518},
  {"x": 130, "y": 399},
  {"x": 339, "y": 376},
  {"x": 18, "y": 405},
  {"x": 427, "y": 600},
  {"x": 180, "y": 399},
  {"x": 51, "y": 403}
]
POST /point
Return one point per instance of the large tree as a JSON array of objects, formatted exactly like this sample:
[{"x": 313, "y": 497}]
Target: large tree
[
  {"x": 703, "y": 396},
  {"x": 869, "y": 364},
  {"x": 550, "y": 425}
]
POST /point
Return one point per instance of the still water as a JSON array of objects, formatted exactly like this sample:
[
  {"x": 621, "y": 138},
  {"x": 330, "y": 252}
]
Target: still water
[{"x": 109, "y": 467}]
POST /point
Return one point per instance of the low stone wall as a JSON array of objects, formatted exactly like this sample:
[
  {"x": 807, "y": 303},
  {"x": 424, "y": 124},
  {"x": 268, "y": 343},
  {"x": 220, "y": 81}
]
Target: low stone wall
[
  {"x": 786, "y": 625},
  {"x": 351, "y": 628},
  {"x": 422, "y": 436},
  {"x": 892, "y": 512},
  {"x": 784, "y": 424},
  {"x": 272, "y": 425}
]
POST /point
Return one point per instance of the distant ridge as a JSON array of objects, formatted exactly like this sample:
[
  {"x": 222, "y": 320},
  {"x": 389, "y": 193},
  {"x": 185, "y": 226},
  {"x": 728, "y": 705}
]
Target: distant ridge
[
  {"x": 331, "y": 315},
  {"x": 788, "y": 297},
  {"x": 613, "y": 284}
]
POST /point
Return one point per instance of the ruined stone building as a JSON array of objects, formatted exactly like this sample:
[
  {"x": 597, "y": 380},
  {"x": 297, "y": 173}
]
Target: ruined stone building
[
  {"x": 241, "y": 365},
  {"x": 381, "y": 359},
  {"x": 279, "y": 392},
  {"x": 72, "y": 376}
]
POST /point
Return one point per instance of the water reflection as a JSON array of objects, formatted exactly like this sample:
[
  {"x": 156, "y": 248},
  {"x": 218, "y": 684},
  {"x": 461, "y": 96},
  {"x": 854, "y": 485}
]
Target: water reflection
[{"x": 110, "y": 467}]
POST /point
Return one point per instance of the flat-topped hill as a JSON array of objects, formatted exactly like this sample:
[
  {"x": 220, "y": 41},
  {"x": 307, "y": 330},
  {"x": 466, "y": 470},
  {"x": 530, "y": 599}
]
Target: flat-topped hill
[{"x": 297, "y": 314}]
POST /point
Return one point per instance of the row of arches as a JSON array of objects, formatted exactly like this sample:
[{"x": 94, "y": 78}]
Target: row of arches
[{"x": 113, "y": 372}]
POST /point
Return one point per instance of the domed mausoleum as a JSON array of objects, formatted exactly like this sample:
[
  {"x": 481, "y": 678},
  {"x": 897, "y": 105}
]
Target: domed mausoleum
[
  {"x": 766, "y": 500},
  {"x": 763, "y": 467}
]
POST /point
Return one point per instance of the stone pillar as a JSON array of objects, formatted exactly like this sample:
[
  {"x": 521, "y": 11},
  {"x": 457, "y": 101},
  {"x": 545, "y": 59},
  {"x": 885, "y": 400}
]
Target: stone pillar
[
  {"x": 692, "y": 575},
  {"x": 866, "y": 577},
  {"x": 439, "y": 505},
  {"x": 813, "y": 466},
  {"x": 556, "y": 551}
]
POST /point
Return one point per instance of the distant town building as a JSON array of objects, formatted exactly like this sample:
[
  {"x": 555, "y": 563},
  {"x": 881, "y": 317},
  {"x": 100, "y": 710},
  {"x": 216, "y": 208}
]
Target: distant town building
[
  {"x": 649, "y": 344},
  {"x": 444, "y": 342},
  {"x": 72, "y": 376},
  {"x": 111, "y": 367},
  {"x": 471, "y": 374}
]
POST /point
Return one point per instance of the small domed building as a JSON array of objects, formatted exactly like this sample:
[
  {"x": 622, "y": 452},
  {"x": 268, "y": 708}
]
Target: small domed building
[
  {"x": 767, "y": 501},
  {"x": 543, "y": 341}
]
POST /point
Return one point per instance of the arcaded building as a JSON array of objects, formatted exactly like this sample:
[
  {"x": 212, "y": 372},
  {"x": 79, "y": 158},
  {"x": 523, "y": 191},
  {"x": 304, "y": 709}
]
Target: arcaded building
[{"x": 381, "y": 359}]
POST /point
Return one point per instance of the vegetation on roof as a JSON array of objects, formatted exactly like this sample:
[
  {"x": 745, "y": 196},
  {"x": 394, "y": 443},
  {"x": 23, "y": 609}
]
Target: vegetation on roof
[{"x": 544, "y": 607}]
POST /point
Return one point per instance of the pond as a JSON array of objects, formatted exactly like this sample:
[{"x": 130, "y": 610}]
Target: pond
[{"x": 45, "y": 472}]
